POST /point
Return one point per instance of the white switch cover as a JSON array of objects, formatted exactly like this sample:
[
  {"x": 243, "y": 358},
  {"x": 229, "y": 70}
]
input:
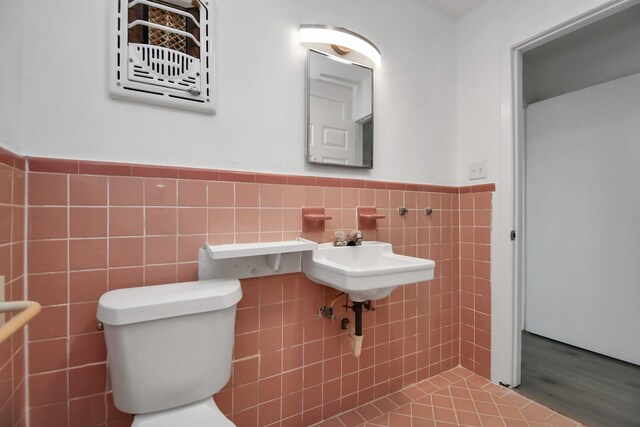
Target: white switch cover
[{"x": 478, "y": 170}]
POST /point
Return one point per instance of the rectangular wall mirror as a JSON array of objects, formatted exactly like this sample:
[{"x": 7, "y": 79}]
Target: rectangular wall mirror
[{"x": 339, "y": 112}]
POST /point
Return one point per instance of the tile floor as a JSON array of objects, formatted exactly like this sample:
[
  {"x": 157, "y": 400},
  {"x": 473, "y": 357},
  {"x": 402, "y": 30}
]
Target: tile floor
[{"x": 457, "y": 397}]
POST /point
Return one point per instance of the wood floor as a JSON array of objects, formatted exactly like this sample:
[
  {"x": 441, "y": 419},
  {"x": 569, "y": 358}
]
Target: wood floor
[{"x": 591, "y": 388}]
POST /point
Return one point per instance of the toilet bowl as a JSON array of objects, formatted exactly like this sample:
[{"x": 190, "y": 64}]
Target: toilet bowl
[{"x": 170, "y": 348}]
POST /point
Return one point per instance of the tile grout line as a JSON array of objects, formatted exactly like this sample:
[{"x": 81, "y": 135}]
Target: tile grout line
[
  {"x": 25, "y": 288},
  {"x": 68, "y": 305}
]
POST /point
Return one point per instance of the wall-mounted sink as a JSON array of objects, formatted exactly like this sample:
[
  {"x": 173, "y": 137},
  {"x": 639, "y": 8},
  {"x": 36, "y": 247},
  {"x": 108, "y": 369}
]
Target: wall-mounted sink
[{"x": 366, "y": 272}]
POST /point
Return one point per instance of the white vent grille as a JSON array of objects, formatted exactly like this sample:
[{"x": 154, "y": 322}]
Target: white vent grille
[
  {"x": 163, "y": 67},
  {"x": 161, "y": 52}
]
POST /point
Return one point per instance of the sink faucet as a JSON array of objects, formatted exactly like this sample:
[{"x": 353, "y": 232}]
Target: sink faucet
[
  {"x": 355, "y": 238},
  {"x": 340, "y": 238}
]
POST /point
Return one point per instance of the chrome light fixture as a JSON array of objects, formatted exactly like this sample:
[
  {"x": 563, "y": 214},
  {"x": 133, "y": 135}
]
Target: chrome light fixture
[{"x": 340, "y": 42}]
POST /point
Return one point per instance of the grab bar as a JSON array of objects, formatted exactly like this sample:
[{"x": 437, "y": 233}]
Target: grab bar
[{"x": 28, "y": 310}]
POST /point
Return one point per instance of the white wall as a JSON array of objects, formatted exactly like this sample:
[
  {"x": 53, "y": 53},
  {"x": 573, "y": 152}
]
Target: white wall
[
  {"x": 485, "y": 37},
  {"x": 260, "y": 80},
  {"x": 582, "y": 210},
  {"x": 11, "y": 51}
]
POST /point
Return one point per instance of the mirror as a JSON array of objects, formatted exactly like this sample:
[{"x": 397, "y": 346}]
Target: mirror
[{"x": 339, "y": 112}]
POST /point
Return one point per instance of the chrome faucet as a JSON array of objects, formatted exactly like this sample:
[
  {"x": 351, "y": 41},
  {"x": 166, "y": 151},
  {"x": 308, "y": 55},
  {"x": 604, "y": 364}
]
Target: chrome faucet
[
  {"x": 340, "y": 238},
  {"x": 355, "y": 238}
]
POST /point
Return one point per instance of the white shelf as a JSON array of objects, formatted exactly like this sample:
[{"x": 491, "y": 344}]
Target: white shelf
[
  {"x": 246, "y": 260},
  {"x": 241, "y": 250}
]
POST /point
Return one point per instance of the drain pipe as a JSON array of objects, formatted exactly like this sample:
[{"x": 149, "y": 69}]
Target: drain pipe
[
  {"x": 356, "y": 336},
  {"x": 355, "y": 332}
]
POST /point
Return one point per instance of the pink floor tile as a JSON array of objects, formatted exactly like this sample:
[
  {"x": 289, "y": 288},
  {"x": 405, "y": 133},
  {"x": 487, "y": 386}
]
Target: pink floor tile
[{"x": 456, "y": 397}]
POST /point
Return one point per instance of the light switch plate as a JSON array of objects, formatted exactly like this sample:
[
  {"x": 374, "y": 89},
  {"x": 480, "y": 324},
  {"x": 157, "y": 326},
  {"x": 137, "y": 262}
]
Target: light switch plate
[{"x": 478, "y": 170}]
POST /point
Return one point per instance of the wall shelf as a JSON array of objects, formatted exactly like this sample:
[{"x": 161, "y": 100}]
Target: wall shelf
[
  {"x": 247, "y": 260},
  {"x": 313, "y": 218},
  {"x": 367, "y": 216},
  {"x": 240, "y": 250}
]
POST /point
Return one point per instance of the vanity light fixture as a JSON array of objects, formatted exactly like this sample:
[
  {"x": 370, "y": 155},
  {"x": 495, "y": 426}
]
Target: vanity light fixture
[{"x": 336, "y": 40}]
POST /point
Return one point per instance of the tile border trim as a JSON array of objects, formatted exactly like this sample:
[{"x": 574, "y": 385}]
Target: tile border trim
[
  {"x": 85, "y": 167},
  {"x": 12, "y": 160}
]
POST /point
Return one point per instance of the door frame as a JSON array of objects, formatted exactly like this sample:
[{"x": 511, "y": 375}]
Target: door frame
[{"x": 507, "y": 256}]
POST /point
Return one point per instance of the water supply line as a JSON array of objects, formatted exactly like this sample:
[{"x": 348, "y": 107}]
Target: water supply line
[
  {"x": 333, "y": 301},
  {"x": 327, "y": 311}
]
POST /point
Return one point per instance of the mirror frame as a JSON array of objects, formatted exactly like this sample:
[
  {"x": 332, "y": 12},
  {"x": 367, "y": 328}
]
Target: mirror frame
[{"x": 308, "y": 111}]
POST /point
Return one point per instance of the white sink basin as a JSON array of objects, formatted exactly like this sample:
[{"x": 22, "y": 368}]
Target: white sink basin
[{"x": 366, "y": 272}]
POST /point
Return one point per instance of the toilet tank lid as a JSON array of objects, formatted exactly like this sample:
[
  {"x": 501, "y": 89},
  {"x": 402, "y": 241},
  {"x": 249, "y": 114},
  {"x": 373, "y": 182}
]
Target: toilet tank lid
[{"x": 134, "y": 305}]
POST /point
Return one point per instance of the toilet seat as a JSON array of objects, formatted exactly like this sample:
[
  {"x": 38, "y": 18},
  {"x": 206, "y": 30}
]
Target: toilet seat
[{"x": 204, "y": 413}]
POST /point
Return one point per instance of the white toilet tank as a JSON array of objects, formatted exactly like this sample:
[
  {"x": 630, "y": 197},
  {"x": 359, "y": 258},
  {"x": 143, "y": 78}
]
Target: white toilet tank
[{"x": 169, "y": 345}]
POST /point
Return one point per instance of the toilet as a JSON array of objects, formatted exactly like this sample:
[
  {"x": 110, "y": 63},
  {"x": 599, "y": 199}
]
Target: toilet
[{"x": 170, "y": 349}]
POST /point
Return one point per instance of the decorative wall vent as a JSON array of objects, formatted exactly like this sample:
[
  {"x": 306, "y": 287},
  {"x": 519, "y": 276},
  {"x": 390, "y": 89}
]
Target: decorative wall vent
[{"x": 161, "y": 52}]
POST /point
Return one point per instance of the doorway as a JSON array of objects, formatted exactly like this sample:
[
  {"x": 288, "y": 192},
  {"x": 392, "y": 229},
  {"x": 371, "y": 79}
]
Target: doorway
[{"x": 572, "y": 264}]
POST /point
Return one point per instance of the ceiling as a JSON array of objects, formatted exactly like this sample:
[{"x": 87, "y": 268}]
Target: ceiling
[{"x": 454, "y": 8}]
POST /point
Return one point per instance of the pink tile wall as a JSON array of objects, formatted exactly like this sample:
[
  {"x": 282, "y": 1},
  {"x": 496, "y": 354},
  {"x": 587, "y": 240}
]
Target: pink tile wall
[
  {"x": 475, "y": 285},
  {"x": 92, "y": 230},
  {"x": 12, "y": 370}
]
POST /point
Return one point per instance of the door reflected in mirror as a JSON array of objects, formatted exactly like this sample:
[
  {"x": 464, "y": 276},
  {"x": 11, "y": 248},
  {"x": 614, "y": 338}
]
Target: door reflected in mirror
[{"x": 339, "y": 112}]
